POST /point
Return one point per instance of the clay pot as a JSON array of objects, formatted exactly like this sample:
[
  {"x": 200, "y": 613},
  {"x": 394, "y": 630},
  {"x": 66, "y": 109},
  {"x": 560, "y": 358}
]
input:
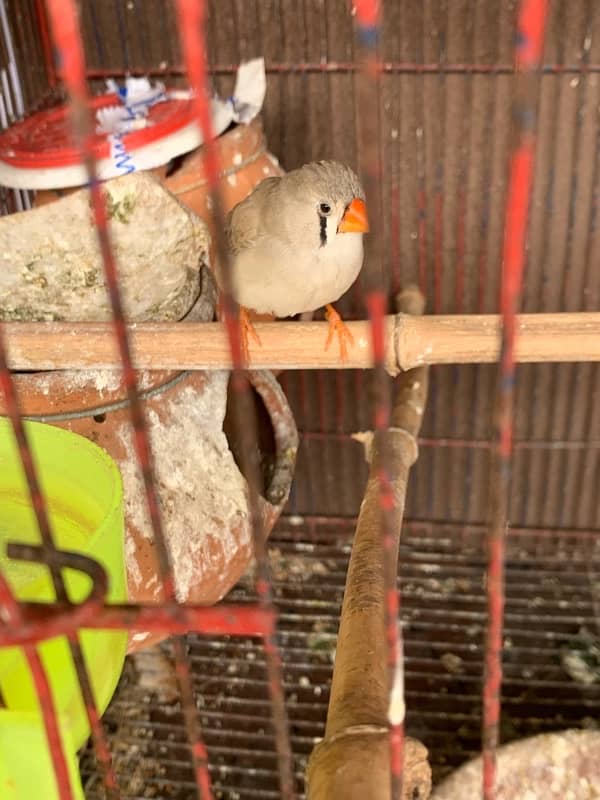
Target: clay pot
[
  {"x": 245, "y": 161},
  {"x": 206, "y": 520},
  {"x": 203, "y": 495}
]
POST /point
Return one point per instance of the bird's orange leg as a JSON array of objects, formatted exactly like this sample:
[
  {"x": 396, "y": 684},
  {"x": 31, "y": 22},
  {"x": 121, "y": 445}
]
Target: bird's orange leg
[
  {"x": 337, "y": 325},
  {"x": 247, "y": 330}
]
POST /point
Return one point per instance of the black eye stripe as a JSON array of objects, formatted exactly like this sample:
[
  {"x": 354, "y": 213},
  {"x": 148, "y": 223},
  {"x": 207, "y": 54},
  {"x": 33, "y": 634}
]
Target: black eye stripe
[{"x": 323, "y": 231}]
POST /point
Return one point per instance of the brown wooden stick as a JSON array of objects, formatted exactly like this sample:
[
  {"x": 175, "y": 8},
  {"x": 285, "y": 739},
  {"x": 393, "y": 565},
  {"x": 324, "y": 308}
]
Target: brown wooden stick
[
  {"x": 352, "y": 761},
  {"x": 411, "y": 341}
]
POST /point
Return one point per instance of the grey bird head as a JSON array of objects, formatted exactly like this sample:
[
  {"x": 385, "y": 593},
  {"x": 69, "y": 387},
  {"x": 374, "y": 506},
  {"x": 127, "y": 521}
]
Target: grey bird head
[{"x": 323, "y": 200}]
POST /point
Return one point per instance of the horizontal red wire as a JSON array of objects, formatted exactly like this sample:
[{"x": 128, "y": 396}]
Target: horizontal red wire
[
  {"x": 387, "y": 67},
  {"x": 41, "y": 621}
]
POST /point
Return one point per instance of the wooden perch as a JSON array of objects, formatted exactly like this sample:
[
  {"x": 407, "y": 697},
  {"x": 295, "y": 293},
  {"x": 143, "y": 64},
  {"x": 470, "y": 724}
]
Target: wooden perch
[
  {"x": 411, "y": 341},
  {"x": 352, "y": 762}
]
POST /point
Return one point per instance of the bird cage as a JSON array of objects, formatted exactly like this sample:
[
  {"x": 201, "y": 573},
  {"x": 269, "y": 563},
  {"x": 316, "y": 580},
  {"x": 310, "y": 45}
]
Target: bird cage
[{"x": 474, "y": 127}]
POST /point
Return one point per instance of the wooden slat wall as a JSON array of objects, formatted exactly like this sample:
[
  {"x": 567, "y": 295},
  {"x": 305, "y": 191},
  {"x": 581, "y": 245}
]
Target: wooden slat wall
[{"x": 444, "y": 140}]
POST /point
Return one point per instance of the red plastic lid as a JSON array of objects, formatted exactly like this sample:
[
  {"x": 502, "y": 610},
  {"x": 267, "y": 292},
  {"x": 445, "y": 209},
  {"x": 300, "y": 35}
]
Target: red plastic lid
[{"x": 45, "y": 139}]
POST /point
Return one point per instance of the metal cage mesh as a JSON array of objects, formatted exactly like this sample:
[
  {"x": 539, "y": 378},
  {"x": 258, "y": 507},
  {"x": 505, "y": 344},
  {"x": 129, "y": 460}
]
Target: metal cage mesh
[{"x": 444, "y": 91}]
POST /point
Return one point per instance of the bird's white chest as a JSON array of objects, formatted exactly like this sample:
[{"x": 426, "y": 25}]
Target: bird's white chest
[{"x": 284, "y": 281}]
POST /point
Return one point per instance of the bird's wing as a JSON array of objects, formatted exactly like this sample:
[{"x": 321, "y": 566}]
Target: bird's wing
[{"x": 245, "y": 223}]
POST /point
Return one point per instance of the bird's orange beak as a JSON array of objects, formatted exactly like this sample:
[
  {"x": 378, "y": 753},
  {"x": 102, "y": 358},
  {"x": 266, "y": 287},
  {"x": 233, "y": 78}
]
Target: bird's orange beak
[{"x": 355, "y": 218}]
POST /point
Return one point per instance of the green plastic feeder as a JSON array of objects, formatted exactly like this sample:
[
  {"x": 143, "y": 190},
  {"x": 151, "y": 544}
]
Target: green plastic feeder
[{"x": 83, "y": 491}]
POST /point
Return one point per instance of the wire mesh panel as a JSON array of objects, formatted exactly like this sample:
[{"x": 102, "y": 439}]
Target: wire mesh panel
[{"x": 551, "y": 600}]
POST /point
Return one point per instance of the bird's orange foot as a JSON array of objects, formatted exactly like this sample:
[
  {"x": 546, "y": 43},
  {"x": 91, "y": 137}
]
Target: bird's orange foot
[
  {"x": 247, "y": 330},
  {"x": 337, "y": 325}
]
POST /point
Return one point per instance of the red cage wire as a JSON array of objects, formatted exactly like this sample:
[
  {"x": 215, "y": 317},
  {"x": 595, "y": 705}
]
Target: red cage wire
[{"x": 27, "y": 624}]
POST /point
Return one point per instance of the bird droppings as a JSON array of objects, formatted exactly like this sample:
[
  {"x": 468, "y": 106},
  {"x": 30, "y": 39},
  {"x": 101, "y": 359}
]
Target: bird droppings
[
  {"x": 397, "y": 706},
  {"x": 366, "y": 439},
  {"x": 237, "y": 159},
  {"x": 156, "y": 674},
  {"x": 201, "y": 491},
  {"x": 121, "y": 209},
  {"x": 232, "y": 180},
  {"x": 100, "y": 381},
  {"x": 580, "y": 658},
  {"x": 294, "y": 568},
  {"x": 452, "y": 663},
  {"x": 133, "y": 570}
]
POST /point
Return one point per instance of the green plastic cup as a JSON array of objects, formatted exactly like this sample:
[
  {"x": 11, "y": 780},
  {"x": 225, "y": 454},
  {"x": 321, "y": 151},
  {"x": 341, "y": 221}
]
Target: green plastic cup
[
  {"x": 26, "y": 769},
  {"x": 84, "y": 494}
]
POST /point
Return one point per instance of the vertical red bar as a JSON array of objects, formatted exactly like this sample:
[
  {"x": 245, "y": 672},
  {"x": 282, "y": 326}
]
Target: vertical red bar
[
  {"x": 192, "y": 17},
  {"x": 368, "y": 28},
  {"x": 42, "y": 687},
  {"x": 42, "y": 21},
  {"x": 64, "y": 22},
  {"x": 9, "y": 605},
  {"x": 529, "y": 48},
  {"x": 12, "y": 616}
]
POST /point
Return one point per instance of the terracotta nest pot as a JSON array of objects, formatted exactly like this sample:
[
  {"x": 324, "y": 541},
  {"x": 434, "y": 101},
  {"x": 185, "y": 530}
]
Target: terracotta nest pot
[
  {"x": 202, "y": 491},
  {"x": 203, "y": 494},
  {"x": 245, "y": 161}
]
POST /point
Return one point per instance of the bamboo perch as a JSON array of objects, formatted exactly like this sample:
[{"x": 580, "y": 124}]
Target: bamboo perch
[
  {"x": 353, "y": 762},
  {"x": 411, "y": 341}
]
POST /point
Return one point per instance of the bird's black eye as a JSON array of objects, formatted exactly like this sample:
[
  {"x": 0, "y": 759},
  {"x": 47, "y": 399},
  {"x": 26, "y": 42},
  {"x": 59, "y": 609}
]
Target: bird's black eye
[{"x": 324, "y": 209}]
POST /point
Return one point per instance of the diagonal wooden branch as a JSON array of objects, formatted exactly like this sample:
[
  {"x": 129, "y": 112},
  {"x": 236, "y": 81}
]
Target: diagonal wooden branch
[
  {"x": 411, "y": 341},
  {"x": 353, "y": 761}
]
